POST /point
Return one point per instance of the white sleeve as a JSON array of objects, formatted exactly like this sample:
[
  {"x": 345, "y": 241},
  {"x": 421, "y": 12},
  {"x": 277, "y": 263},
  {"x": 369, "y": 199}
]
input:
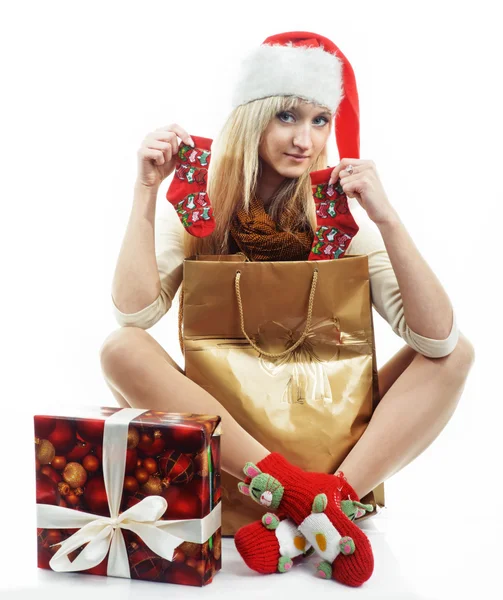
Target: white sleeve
[
  {"x": 386, "y": 297},
  {"x": 169, "y": 256}
]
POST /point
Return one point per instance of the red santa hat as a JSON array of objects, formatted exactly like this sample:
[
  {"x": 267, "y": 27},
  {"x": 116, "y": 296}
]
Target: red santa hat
[{"x": 309, "y": 66}]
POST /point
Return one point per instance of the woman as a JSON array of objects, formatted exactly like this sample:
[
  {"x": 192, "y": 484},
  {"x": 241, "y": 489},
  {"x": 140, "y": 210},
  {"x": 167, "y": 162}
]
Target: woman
[{"x": 286, "y": 97}]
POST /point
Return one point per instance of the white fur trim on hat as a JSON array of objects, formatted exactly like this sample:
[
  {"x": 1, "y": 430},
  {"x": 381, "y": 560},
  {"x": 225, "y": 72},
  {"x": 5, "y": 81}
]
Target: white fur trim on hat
[{"x": 310, "y": 73}]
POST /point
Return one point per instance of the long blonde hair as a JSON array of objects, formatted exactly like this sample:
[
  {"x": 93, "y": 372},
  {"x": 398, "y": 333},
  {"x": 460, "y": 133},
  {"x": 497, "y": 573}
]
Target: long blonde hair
[{"x": 235, "y": 170}]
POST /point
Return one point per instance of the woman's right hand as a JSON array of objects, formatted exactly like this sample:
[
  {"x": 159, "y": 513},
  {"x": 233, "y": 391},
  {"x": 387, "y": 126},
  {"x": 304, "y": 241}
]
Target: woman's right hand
[{"x": 157, "y": 154}]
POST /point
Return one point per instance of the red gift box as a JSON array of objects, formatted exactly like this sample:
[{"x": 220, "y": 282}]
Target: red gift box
[{"x": 129, "y": 493}]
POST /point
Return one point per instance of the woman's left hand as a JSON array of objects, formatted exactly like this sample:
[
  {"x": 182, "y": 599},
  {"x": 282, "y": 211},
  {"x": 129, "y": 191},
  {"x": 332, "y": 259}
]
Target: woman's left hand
[{"x": 364, "y": 185}]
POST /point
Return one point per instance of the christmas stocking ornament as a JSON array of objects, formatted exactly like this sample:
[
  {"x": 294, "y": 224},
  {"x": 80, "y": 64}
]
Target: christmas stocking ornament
[
  {"x": 336, "y": 226},
  {"x": 313, "y": 501},
  {"x": 187, "y": 191},
  {"x": 272, "y": 545}
]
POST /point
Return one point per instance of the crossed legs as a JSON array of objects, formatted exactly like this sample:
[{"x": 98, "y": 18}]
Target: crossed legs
[
  {"x": 141, "y": 374},
  {"x": 418, "y": 397}
]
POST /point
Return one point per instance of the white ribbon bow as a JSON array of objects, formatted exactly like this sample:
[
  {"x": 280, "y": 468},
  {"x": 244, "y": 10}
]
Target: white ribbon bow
[{"x": 104, "y": 533}]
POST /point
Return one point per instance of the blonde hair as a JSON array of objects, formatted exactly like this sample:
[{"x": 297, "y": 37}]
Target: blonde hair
[{"x": 235, "y": 170}]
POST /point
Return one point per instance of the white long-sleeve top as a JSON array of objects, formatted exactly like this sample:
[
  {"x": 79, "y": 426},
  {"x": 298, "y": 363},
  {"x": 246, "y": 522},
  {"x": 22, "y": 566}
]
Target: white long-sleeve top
[{"x": 385, "y": 293}]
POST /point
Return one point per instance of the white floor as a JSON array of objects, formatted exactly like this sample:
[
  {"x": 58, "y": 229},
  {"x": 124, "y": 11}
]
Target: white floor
[
  {"x": 456, "y": 551},
  {"x": 414, "y": 559}
]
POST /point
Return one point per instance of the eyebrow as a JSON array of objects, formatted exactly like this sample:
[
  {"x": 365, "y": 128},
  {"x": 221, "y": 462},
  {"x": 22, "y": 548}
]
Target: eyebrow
[{"x": 324, "y": 112}]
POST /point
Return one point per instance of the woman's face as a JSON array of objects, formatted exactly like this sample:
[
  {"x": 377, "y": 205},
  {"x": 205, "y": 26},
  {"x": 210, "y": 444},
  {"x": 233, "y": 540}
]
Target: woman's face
[{"x": 301, "y": 131}]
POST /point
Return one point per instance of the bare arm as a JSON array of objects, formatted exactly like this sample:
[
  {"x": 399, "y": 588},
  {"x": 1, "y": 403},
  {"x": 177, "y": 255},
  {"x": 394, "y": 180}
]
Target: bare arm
[
  {"x": 136, "y": 282},
  {"x": 428, "y": 310},
  {"x": 386, "y": 295}
]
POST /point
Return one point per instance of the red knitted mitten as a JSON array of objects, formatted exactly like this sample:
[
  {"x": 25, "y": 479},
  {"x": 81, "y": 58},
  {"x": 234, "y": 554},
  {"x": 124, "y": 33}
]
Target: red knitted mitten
[
  {"x": 272, "y": 544},
  {"x": 313, "y": 502},
  {"x": 336, "y": 226},
  {"x": 187, "y": 191}
]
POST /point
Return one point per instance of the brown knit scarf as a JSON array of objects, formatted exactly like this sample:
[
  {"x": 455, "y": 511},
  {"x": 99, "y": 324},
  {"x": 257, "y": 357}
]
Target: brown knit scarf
[{"x": 260, "y": 238}]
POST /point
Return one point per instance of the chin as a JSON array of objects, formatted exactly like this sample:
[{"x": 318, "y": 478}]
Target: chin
[{"x": 292, "y": 172}]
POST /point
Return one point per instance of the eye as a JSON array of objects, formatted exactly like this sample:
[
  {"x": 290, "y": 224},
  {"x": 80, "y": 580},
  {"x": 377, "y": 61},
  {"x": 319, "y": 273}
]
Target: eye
[{"x": 282, "y": 114}]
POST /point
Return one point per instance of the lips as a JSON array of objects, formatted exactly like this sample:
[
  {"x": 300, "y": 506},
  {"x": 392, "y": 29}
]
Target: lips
[{"x": 299, "y": 159}]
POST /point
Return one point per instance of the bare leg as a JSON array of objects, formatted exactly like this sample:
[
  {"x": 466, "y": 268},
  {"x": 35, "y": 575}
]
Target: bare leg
[
  {"x": 421, "y": 395},
  {"x": 141, "y": 374},
  {"x": 121, "y": 401}
]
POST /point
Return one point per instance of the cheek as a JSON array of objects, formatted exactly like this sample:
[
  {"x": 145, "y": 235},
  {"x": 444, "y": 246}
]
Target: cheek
[
  {"x": 268, "y": 153},
  {"x": 322, "y": 139},
  {"x": 273, "y": 143}
]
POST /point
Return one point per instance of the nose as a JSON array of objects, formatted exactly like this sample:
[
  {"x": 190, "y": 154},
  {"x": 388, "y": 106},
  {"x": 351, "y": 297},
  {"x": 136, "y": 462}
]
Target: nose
[{"x": 302, "y": 139}]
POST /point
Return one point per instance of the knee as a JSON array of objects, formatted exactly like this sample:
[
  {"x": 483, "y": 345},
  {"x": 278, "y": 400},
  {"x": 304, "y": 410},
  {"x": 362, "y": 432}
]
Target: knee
[
  {"x": 461, "y": 359},
  {"x": 118, "y": 349}
]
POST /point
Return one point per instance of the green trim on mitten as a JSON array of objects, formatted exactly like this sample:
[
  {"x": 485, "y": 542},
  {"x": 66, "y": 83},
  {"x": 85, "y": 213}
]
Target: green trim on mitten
[
  {"x": 285, "y": 563},
  {"x": 346, "y": 545},
  {"x": 354, "y": 509},
  {"x": 270, "y": 521},
  {"x": 324, "y": 569},
  {"x": 320, "y": 503}
]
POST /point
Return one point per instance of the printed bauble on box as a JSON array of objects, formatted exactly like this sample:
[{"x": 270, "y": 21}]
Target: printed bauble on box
[{"x": 129, "y": 493}]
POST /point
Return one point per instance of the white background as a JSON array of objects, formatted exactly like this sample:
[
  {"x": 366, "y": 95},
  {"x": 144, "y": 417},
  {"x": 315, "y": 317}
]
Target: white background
[{"x": 83, "y": 83}]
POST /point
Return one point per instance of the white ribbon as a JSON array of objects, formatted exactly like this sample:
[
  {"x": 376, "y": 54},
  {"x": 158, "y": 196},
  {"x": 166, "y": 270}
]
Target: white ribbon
[{"x": 104, "y": 533}]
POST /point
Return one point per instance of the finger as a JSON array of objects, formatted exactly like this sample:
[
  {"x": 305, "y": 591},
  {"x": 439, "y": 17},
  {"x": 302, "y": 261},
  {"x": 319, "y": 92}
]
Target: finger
[
  {"x": 333, "y": 177},
  {"x": 350, "y": 185},
  {"x": 342, "y": 174},
  {"x": 343, "y": 164},
  {"x": 162, "y": 137},
  {"x": 165, "y": 147},
  {"x": 356, "y": 169},
  {"x": 155, "y": 155},
  {"x": 350, "y": 178},
  {"x": 180, "y": 132},
  {"x": 171, "y": 138}
]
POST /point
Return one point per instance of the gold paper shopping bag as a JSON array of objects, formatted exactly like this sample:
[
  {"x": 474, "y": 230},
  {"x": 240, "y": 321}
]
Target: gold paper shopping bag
[{"x": 287, "y": 347}]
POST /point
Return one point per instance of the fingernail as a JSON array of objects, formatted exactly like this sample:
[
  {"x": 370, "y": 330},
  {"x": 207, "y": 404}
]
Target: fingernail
[{"x": 191, "y": 142}]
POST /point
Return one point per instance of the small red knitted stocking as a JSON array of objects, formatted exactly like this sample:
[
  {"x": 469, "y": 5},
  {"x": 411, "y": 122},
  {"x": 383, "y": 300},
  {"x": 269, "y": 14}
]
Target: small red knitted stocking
[
  {"x": 187, "y": 191},
  {"x": 336, "y": 226},
  {"x": 313, "y": 502},
  {"x": 272, "y": 544}
]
